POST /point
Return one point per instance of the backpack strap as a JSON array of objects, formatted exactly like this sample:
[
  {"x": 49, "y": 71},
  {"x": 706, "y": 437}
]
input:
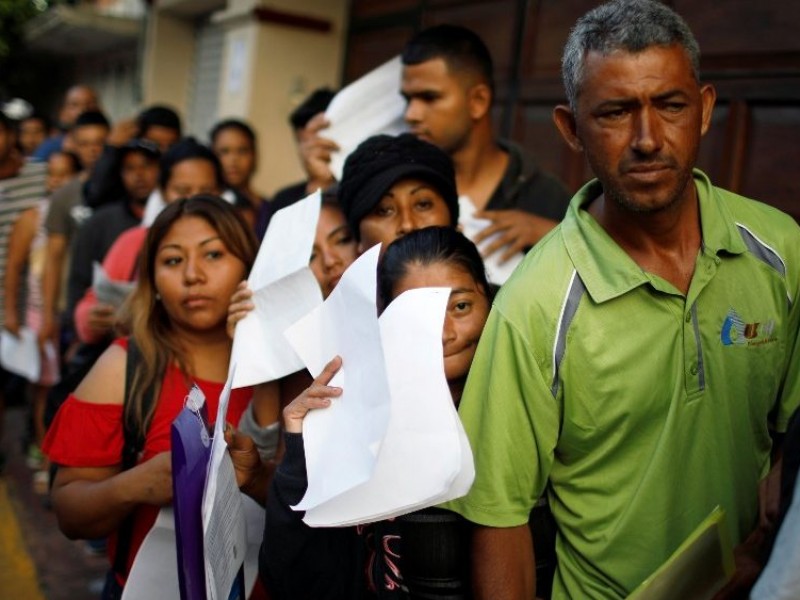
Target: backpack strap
[{"x": 133, "y": 444}]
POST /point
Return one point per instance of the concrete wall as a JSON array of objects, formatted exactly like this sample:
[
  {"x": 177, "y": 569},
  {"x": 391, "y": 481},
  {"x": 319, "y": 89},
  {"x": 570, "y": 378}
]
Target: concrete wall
[
  {"x": 268, "y": 69},
  {"x": 167, "y": 60}
]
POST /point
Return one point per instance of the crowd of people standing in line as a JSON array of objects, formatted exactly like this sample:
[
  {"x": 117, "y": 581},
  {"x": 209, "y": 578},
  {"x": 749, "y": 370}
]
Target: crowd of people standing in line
[{"x": 638, "y": 369}]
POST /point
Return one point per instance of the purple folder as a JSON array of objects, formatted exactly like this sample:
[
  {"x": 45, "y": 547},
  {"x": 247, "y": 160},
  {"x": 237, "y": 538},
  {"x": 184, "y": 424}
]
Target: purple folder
[{"x": 191, "y": 450}]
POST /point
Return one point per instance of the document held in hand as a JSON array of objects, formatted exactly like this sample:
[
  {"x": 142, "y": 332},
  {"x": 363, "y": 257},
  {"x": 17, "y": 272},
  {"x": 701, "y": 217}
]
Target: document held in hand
[
  {"x": 206, "y": 544},
  {"x": 191, "y": 449},
  {"x": 284, "y": 289},
  {"x": 369, "y": 106},
  {"x": 368, "y": 455},
  {"x": 107, "y": 290},
  {"x": 697, "y": 569},
  {"x": 20, "y": 353},
  {"x": 471, "y": 226},
  {"x": 233, "y": 524}
]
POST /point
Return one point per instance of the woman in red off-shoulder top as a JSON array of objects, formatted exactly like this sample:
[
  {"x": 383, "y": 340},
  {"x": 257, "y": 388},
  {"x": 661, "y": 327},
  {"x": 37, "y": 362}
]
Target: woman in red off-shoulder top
[{"x": 194, "y": 255}]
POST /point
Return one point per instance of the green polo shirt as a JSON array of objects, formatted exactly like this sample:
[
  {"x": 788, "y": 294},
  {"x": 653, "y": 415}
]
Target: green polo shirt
[{"x": 641, "y": 408}]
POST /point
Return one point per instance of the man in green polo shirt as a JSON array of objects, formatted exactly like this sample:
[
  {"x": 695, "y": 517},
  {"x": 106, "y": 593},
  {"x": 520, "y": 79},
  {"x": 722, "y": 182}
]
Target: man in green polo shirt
[{"x": 637, "y": 360}]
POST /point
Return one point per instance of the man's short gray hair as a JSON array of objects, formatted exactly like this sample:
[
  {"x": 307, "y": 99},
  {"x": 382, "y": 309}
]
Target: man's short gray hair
[{"x": 629, "y": 25}]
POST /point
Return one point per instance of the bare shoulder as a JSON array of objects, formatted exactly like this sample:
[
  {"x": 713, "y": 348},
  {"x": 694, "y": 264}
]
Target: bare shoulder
[{"x": 105, "y": 382}]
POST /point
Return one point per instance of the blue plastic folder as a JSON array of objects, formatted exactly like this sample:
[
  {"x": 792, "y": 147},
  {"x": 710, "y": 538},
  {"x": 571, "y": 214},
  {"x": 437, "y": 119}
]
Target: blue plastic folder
[{"x": 191, "y": 450}]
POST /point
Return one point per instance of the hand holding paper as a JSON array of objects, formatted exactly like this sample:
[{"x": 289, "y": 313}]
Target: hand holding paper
[
  {"x": 318, "y": 395},
  {"x": 369, "y": 106},
  {"x": 108, "y": 291},
  {"x": 342, "y": 441},
  {"x": 471, "y": 226},
  {"x": 232, "y": 523},
  {"x": 284, "y": 289},
  {"x": 368, "y": 455}
]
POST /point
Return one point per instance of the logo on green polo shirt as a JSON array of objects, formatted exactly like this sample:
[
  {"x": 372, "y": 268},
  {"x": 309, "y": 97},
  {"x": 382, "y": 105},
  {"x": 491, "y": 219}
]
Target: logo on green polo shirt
[{"x": 736, "y": 332}]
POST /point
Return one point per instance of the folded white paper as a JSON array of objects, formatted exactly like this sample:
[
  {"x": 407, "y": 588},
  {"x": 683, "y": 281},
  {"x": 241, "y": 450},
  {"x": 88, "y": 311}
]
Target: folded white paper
[
  {"x": 233, "y": 524},
  {"x": 471, "y": 226},
  {"x": 361, "y": 465},
  {"x": 155, "y": 204},
  {"x": 342, "y": 442},
  {"x": 154, "y": 574},
  {"x": 423, "y": 423},
  {"x": 107, "y": 290},
  {"x": 284, "y": 289},
  {"x": 369, "y": 106},
  {"x": 20, "y": 354}
]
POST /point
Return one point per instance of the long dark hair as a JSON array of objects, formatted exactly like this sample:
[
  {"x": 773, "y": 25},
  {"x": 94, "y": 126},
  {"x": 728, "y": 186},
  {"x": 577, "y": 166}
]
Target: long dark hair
[
  {"x": 425, "y": 247},
  {"x": 147, "y": 319}
]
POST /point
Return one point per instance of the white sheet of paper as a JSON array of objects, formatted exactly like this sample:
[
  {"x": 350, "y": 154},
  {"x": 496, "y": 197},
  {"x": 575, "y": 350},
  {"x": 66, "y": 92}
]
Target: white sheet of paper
[
  {"x": 369, "y": 106},
  {"x": 155, "y": 204},
  {"x": 224, "y": 527},
  {"x": 20, "y": 355},
  {"x": 284, "y": 289},
  {"x": 342, "y": 441},
  {"x": 472, "y": 226},
  {"x": 154, "y": 574},
  {"x": 254, "y": 516},
  {"x": 107, "y": 290},
  {"x": 423, "y": 422}
]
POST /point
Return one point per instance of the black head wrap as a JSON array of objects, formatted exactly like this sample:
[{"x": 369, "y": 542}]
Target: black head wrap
[{"x": 381, "y": 161}]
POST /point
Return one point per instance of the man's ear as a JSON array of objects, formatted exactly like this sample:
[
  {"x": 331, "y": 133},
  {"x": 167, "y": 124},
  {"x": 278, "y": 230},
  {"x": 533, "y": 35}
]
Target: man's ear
[
  {"x": 479, "y": 98},
  {"x": 565, "y": 122},
  {"x": 708, "y": 97}
]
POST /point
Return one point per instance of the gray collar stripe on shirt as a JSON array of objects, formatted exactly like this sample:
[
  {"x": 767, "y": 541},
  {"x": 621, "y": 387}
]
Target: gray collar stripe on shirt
[{"x": 573, "y": 297}]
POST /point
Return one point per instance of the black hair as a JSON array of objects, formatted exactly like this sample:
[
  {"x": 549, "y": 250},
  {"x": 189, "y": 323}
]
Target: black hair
[
  {"x": 628, "y": 25},
  {"x": 426, "y": 247},
  {"x": 188, "y": 148},
  {"x": 91, "y": 117},
  {"x": 71, "y": 157},
  {"x": 158, "y": 115},
  {"x": 316, "y": 102},
  {"x": 381, "y": 161},
  {"x": 236, "y": 124},
  {"x": 39, "y": 116},
  {"x": 460, "y": 48}
]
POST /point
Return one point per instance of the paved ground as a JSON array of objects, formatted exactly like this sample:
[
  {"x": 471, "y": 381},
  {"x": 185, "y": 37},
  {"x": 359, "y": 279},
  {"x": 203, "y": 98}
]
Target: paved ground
[{"x": 36, "y": 561}]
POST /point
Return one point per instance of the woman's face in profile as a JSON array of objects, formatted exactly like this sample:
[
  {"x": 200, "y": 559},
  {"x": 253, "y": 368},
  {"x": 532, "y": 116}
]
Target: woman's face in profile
[
  {"x": 334, "y": 248},
  {"x": 467, "y": 311},
  {"x": 195, "y": 275}
]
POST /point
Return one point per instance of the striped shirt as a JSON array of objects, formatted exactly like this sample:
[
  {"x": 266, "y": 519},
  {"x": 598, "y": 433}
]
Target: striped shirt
[{"x": 17, "y": 194}]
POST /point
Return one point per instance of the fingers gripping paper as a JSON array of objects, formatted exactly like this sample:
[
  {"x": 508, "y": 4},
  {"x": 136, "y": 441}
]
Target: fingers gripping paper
[
  {"x": 396, "y": 474},
  {"x": 284, "y": 289},
  {"x": 342, "y": 442},
  {"x": 471, "y": 226}
]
